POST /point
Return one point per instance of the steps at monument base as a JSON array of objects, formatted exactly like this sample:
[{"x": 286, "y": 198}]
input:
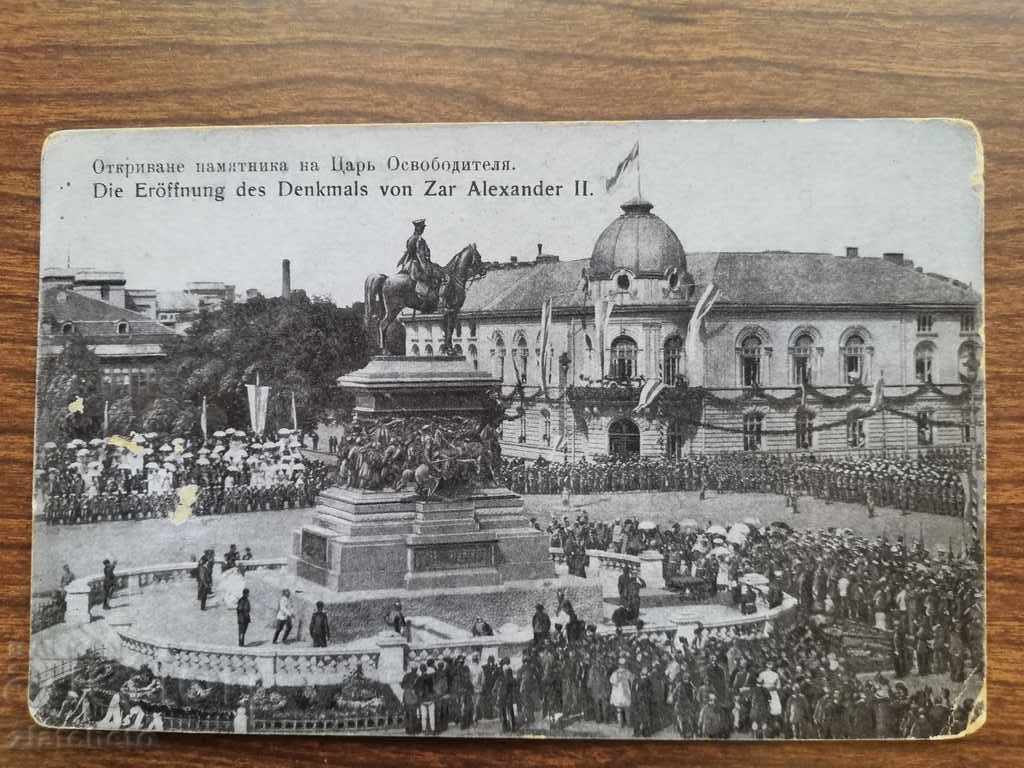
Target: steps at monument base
[
  {"x": 454, "y": 578},
  {"x": 436, "y": 527}
]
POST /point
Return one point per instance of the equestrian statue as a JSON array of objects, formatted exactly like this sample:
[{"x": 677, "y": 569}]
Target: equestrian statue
[{"x": 421, "y": 285}]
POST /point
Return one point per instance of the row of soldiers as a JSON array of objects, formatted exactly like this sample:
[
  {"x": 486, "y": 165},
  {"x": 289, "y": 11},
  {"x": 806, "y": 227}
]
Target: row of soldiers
[
  {"x": 932, "y": 484},
  {"x": 75, "y": 508}
]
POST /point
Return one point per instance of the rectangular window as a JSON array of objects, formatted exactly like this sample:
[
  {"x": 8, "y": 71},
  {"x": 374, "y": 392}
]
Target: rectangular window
[
  {"x": 924, "y": 323},
  {"x": 753, "y": 426},
  {"x": 925, "y": 429},
  {"x": 923, "y": 368},
  {"x": 966, "y": 427},
  {"x": 801, "y": 369},
  {"x": 751, "y": 370},
  {"x": 853, "y": 364},
  {"x": 804, "y": 430},
  {"x": 856, "y": 437},
  {"x": 967, "y": 322}
]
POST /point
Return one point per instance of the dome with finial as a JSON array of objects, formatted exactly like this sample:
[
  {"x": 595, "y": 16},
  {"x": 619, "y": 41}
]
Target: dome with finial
[{"x": 638, "y": 241}]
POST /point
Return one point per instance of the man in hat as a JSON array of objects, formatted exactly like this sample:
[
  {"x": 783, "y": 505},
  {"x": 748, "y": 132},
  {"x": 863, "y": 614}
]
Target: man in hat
[
  {"x": 415, "y": 260},
  {"x": 319, "y": 628},
  {"x": 109, "y": 582},
  {"x": 395, "y": 619}
]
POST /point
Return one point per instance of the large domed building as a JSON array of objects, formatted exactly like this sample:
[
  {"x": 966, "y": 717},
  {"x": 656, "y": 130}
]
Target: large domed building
[{"x": 793, "y": 354}]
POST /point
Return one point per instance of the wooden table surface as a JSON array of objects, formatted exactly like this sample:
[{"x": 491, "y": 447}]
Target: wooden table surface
[{"x": 112, "y": 64}]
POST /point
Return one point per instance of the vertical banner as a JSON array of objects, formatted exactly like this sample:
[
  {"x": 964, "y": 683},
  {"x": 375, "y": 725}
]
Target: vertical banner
[
  {"x": 545, "y": 329},
  {"x": 106, "y": 417},
  {"x": 694, "y": 345},
  {"x": 258, "y": 399},
  {"x": 202, "y": 418},
  {"x": 295, "y": 418}
]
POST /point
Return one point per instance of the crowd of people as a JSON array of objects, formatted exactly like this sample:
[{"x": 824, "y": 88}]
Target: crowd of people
[
  {"x": 139, "y": 477},
  {"x": 806, "y": 680},
  {"x": 930, "y": 483}
]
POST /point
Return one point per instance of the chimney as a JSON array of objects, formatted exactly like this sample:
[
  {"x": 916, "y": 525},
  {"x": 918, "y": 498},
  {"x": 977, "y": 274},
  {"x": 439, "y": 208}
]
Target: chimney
[
  {"x": 514, "y": 260},
  {"x": 851, "y": 252},
  {"x": 540, "y": 251},
  {"x": 893, "y": 258},
  {"x": 286, "y": 279}
]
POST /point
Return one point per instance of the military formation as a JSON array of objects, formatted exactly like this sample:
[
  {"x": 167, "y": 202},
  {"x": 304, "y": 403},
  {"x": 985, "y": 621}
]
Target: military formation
[
  {"x": 140, "y": 477},
  {"x": 932, "y": 484}
]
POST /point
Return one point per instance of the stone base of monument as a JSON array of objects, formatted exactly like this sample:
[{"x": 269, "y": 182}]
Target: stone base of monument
[
  {"x": 361, "y": 540},
  {"x": 356, "y": 614}
]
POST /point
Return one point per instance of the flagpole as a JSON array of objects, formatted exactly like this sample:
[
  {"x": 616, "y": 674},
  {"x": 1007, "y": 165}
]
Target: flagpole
[{"x": 639, "y": 190}]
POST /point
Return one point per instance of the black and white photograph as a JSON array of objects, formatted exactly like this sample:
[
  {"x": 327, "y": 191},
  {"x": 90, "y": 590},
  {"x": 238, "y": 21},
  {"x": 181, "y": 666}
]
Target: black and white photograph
[{"x": 631, "y": 430}]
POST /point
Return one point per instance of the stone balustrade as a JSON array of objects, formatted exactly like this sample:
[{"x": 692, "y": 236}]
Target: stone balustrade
[
  {"x": 228, "y": 664},
  {"x": 83, "y": 593}
]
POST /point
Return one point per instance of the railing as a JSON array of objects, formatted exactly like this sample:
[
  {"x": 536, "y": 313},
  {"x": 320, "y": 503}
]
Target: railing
[
  {"x": 198, "y": 723},
  {"x": 213, "y": 663},
  {"x": 606, "y": 560},
  {"x": 372, "y": 721},
  {"x": 53, "y": 672},
  {"x": 83, "y": 593}
]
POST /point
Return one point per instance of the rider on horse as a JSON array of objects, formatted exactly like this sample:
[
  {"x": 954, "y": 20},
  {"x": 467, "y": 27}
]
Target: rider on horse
[{"x": 416, "y": 263}]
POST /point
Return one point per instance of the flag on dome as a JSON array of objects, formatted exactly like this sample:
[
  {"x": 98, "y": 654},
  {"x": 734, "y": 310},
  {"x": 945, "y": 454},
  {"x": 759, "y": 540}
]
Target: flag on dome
[{"x": 630, "y": 159}]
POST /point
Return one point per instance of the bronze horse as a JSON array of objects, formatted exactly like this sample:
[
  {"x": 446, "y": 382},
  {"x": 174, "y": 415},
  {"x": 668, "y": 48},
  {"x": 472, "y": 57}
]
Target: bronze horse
[{"x": 386, "y": 296}]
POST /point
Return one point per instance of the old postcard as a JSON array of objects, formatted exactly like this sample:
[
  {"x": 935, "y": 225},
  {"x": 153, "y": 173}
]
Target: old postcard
[{"x": 655, "y": 430}]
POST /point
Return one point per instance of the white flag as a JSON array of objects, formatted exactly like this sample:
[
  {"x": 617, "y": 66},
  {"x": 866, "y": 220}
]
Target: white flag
[
  {"x": 694, "y": 345},
  {"x": 877, "y": 396},
  {"x": 545, "y": 329},
  {"x": 602, "y": 316},
  {"x": 258, "y": 399},
  {"x": 649, "y": 394}
]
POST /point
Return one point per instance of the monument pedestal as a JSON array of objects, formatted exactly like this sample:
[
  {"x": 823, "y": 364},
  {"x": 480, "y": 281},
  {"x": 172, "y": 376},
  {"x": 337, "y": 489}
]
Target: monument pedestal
[{"x": 469, "y": 552}]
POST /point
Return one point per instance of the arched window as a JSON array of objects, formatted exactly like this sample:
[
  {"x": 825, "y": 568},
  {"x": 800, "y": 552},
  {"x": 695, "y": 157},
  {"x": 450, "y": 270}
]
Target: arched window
[
  {"x": 122, "y": 328},
  {"x": 675, "y": 438},
  {"x": 853, "y": 359},
  {"x": 803, "y": 351},
  {"x": 856, "y": 435},
  {"x": 623, "y": 438},
  {"x": 498, "y": 356},
  {"x": 473, "y": 357},
  {"x": 925, "y": 428},
  {"x": 523, "y": 355},
  {"x": 458, "y": 328},
  {"x": 428, "y": 350},
  {"x": 924, "y": 356},
  {"x": 804, "y": 429},
  {"x": 969, "y": 361},
  {"x": 414, "y": 350},
  {"x": 623, "y": 367},
  {"x": 546, "y": 415},
  {"x": 672, "y": 367},
  {"x": 753, "y": 431},
  {"x": 750, "y": 361}
]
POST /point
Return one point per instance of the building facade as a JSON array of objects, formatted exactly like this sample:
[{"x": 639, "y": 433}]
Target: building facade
[{"x": 801, "y": 351}]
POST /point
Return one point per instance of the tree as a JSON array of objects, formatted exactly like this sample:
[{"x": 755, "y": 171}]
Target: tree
[
  {"x": 70, "y": 394},
  {"x": 296, "y": 346}
]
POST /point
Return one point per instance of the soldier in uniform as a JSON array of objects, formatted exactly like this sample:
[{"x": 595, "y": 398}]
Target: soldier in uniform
[{"x": 415, "y": 260}]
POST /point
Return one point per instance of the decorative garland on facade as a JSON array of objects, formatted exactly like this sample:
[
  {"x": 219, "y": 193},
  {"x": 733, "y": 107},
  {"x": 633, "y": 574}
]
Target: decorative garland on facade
[{"x": 673, "y": 400}]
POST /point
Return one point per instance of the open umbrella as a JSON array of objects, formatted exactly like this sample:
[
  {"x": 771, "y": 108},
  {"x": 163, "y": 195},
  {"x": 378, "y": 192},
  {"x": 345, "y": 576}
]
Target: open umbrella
[
  {"x": 178, "y": 441},
  {"x": 165, "y": 447},
  {"x": 753, "y": 522},
  {"x": 740, "y": 527},
  {"x": 647, "y": 525},
  {"x": 95, "y": 442},
  {"x": 219, "y": 433},
  {"x": 689, "y": 523},
  {"x": 736, "y": 536},
  {"x": 718, "y": 551},
  {"x": 781, "y": 524},
  {"x": 716, "y": 530},
  {"x": 152, "y": 465},
  {"x": 49, "y": 445},
  {"x": 284, "y": 431}
]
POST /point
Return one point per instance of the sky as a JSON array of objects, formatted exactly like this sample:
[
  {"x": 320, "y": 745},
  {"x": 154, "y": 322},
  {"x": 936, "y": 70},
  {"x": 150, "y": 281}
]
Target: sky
[{"x": 882, "y": 185}]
